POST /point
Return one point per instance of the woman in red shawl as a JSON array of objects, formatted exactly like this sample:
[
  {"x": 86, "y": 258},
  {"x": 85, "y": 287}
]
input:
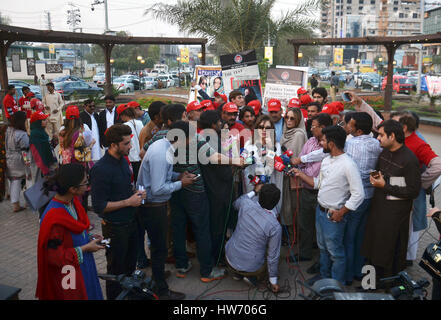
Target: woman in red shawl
[{"x": 66, "y": 267}]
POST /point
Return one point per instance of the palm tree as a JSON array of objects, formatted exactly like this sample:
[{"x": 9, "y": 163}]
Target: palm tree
[{"x": 236, "y": 25}]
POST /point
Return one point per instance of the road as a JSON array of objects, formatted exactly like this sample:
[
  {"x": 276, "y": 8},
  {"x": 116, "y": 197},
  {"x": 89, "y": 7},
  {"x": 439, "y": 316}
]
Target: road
[{"x": 18, "y": 257}]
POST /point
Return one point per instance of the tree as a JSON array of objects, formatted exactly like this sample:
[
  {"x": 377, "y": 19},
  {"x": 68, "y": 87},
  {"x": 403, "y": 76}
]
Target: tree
[{"x": 238, "y": 25}]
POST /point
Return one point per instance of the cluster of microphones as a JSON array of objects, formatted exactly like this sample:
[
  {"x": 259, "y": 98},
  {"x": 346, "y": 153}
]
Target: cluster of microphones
[{"x": 282, "y": 164}]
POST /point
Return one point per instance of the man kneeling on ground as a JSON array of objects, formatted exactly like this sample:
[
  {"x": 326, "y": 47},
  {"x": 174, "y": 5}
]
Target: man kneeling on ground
[{"x": 257, "y": 229}]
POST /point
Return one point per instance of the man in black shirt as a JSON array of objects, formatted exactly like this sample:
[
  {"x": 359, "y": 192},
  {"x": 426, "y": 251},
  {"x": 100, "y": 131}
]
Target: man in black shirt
[{"x": 115, "y": 202}]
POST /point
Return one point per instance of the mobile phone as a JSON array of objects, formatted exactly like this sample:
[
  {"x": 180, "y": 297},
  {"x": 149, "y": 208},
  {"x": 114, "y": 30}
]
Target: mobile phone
[
  {"x": 346, "y": 96},
  {"x": 375, "y": 174}
]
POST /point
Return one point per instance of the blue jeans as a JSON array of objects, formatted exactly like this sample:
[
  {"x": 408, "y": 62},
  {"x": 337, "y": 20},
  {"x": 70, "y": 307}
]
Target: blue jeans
[
  {"x": 192, "y": 206},
  {"x": 330, "y": 236},
  {"x": 354, "y": 234}
]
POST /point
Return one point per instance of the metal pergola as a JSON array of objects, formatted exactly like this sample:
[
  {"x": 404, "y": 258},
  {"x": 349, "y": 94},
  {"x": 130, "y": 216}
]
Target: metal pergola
[
  {"x": 10, "y": 34},
  {"x": 390, "y": 43}
]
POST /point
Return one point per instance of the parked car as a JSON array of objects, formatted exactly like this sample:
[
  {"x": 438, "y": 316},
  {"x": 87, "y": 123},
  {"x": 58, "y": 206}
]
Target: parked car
[
  {"x": 371, "y": 83},
  {"x": 129, "y": 78},
  {"x": 164, "y": 80},
  {"x": 400, "y": 84},
  {"x": 67, "y": 78},
  {"x": 99, "y": 79},
  {"x": 172, "y": 80},
  {"x": 124, "y": 84},
  {"x": 176, "y": 79},
  {"x": 77, "y": 89},
  {"x": 18, "y": 84},
  {"x": 149, "y": 83}
]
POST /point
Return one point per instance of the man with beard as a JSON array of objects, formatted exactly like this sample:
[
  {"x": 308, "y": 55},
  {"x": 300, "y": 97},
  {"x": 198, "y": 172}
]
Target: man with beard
[
  {"x": 340, "y": 192},
  {"x": 114, "y": 200},
  {"x": 107, "y": 118},
  {"x": 397, "y": 182},
  {"x": 90, "y": 117}
]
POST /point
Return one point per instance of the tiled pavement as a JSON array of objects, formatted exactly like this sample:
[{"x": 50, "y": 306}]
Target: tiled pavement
[{"x": 18, "y": 255}]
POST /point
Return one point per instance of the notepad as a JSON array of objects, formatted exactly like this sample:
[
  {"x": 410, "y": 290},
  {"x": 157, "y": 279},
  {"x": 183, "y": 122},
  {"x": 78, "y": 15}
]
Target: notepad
[{"x": 399, "y": 182}]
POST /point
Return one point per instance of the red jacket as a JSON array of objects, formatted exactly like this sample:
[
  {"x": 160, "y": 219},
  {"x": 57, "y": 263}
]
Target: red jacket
[
  {"x": 421, "y": 149},
  {"x": 9, "y": 105}
]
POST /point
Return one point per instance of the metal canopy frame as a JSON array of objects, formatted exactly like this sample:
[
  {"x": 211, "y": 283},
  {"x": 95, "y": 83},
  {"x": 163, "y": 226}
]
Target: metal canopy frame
[
  {"x": 390, "y": 43},
  {"x": 10, "y": 34}
]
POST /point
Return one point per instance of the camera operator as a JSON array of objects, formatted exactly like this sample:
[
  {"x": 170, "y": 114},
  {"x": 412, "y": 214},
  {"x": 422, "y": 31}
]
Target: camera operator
[{"x": 435, "y": 213}]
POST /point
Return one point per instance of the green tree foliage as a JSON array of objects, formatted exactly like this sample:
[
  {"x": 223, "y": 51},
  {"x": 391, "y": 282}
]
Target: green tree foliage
[{"x": 236, "y": 25}]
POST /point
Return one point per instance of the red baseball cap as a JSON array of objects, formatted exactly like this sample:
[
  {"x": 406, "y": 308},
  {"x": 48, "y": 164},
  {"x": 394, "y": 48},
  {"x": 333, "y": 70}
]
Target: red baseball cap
[
  {"x": 256, "y": 105},
  {"x": 35, "y": 102},
  {"x": 38, "y": 116},
  {"x": 301, "y": 90},
  {"x": 305, "y": 99},
  {"x": 223, "y": 96},
  {"x": 338, "y": 105},
  {"x": 133, "y": 104},
  {"x": 72, "y": 112},
  {"x": 230, "y": 107},
  {"x": 294, "y": 103},
  {"x": 274, "y": 105},
  {"x": 330, "y": 109},
  {"x": 30, "y": 94},
  {"x": 121, "y": 108},
  {"x": 207, "y": 104},
  {"x": 194, "y": 105}
]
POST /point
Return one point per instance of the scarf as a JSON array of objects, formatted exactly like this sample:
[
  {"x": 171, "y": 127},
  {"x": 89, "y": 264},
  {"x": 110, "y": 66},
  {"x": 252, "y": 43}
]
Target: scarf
[{"x": 40, "y": 139}]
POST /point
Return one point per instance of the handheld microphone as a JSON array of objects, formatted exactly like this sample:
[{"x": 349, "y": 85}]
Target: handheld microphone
[{"x": 255, "y": 180}]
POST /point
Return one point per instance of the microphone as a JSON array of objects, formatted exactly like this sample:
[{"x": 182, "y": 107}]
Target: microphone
[{"x": 255, "y": 180}]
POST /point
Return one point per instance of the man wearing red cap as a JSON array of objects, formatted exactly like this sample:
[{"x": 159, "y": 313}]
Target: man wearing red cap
[
  {"x": 194, "y": 110},
  {"x": 219, "y": 99},
  {"x": 208, "y": 105},
  {"x": 305, "y": 99},
  {"x": 301, "y": 92},
  {"x": 275, "y": 112},
  {"x": 294, "y": 103},
  {"x": 333, "y": 112},
  {"x": 141, "y": 115},
  {"x": 257, "y": 107}
]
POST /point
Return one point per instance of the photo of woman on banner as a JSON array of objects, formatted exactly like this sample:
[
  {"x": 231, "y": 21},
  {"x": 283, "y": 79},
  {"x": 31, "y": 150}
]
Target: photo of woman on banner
[
  {"x": 251, "y": 90},
  {"x": 217, "y": 86}
]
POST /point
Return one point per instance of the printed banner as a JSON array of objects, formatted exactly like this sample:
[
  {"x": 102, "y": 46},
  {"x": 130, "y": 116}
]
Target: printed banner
[
  {"x": 269, "y": 55},
  {"x": 251, "y": 89},
  {"x": 282, "y": 83},
  {"x": 30, "y": 64},
  {"x": 338, "y": 56},
  {"x": 209, "y": 78},
  {"x": 433, "y": 85},
  {"x": 239, "y": 67}
]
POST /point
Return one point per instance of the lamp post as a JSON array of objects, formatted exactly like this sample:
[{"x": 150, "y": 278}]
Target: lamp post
[
  {"x": 300, "y": 56},
  {"x": 179, "y": 70},
  {"x": 358, "y": 71},
  {"x": 199, "y": 56},
  {"x": 111, "y": 67}
]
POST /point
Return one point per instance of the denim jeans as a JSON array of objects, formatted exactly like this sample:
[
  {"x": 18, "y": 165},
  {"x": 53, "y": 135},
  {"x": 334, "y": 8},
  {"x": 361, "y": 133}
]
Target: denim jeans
[
  {"x": 330, "y": 236},
  {"x": 354, "y": 234},
  {"x": 154, "y": 221},
  {"x": 193, "y": 207}
]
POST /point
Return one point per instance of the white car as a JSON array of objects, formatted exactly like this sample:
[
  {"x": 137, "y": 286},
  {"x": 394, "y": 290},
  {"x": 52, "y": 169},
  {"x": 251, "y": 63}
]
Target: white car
[
  {"x": 124, "y": 84},
  {"x": 99, "y": 78},
  {"x": 165, "y": 80}
]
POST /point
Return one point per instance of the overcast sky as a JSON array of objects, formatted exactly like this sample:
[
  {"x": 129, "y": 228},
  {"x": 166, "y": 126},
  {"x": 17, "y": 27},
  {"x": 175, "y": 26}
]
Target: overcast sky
[{"x": 127, "y": 15}]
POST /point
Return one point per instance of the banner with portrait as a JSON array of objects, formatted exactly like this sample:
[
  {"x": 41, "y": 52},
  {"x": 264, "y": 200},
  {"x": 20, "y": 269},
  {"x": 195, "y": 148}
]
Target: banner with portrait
[
  {"x": 209, "y": 79},
  {"x": 240, "y": 66},
  {"x": 282, "y": 83}
]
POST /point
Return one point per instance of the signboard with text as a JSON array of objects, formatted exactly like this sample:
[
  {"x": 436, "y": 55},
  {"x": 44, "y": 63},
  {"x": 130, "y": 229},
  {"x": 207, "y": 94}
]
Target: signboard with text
[{"x": 209, "y": 78}]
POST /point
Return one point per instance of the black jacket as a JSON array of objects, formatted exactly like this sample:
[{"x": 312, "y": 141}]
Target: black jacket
[
  {"x": 102, "y": 126},
  {"x": 85, "y": 117}
]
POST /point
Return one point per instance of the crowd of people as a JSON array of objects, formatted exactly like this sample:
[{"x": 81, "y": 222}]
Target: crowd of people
[{"x": 225, "y": 181}]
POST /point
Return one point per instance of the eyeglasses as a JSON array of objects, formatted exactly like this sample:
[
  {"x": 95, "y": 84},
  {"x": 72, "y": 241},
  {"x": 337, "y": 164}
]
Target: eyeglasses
[
  {"x": 313, "y": 127},
  {"x": 263, "y": 127},
  {"x": 291, "y": 118}
]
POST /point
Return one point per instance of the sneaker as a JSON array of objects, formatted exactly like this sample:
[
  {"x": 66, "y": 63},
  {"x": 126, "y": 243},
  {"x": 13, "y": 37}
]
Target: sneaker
[
  {"x": 252, "y": 281},
  {"x": 182, "y": 272},
  {"x": 216, "y": 274},
  {"x": 315, "y": 268}
]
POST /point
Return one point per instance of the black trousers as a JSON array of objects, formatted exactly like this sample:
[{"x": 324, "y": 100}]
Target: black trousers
[
  {"x": 121, "y": 256},
  {"x": 154, "y": 221}
]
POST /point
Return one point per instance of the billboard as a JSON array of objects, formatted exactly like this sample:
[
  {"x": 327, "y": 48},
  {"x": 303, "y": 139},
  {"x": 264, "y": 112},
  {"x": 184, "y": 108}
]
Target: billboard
[
  {"x": 338, "y": 56},
  {"x": 209, "y": 78},
  {"x": 282, "y": 83},
  {"x": 238, "y": 67},
  {"x": 66, "y": 53},
  {"x": 269, "y": 54}
]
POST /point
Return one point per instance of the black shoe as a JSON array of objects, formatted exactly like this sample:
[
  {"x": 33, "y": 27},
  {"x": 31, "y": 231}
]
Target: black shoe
[
  {"x": 297, "y": 258},
  {"x": 310, "y": 282},
  {"x": 314, "y": 269},
  {"x": 252, "y": 281},
  {"x": 172, "y": 295},
  {"x": 409, "y": 263}
]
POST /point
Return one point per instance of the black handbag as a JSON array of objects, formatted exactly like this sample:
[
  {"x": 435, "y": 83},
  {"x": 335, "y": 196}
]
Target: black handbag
[{"x": 431, "y": 260}]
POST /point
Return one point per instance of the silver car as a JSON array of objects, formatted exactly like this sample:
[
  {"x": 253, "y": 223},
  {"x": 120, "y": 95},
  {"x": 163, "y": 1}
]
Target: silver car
[
  {"x": 124, "y": 84},
  {"x": 149, "y": 83}
]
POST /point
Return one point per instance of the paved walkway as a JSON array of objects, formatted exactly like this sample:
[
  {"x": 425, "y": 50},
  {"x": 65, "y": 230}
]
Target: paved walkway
[{"x": 18, "y": 257}]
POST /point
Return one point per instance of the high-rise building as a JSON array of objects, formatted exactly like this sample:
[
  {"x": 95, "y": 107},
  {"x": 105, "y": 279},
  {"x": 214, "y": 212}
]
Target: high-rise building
[{"x": 363, "y": 18}]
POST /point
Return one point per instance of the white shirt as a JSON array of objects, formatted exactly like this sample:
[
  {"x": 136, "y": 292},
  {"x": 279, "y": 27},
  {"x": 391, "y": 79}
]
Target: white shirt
[
  {"x": 136, "y": 127},
  {"x": 54, "y": 102},
  {"x": 339, "y": 183},
  {"x": 96, "y": 150},
  {"x": 110, "y": 117}
]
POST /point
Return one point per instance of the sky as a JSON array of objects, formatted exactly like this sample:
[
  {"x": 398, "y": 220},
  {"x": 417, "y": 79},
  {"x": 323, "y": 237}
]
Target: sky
[{"x": 127, "y": 15}]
